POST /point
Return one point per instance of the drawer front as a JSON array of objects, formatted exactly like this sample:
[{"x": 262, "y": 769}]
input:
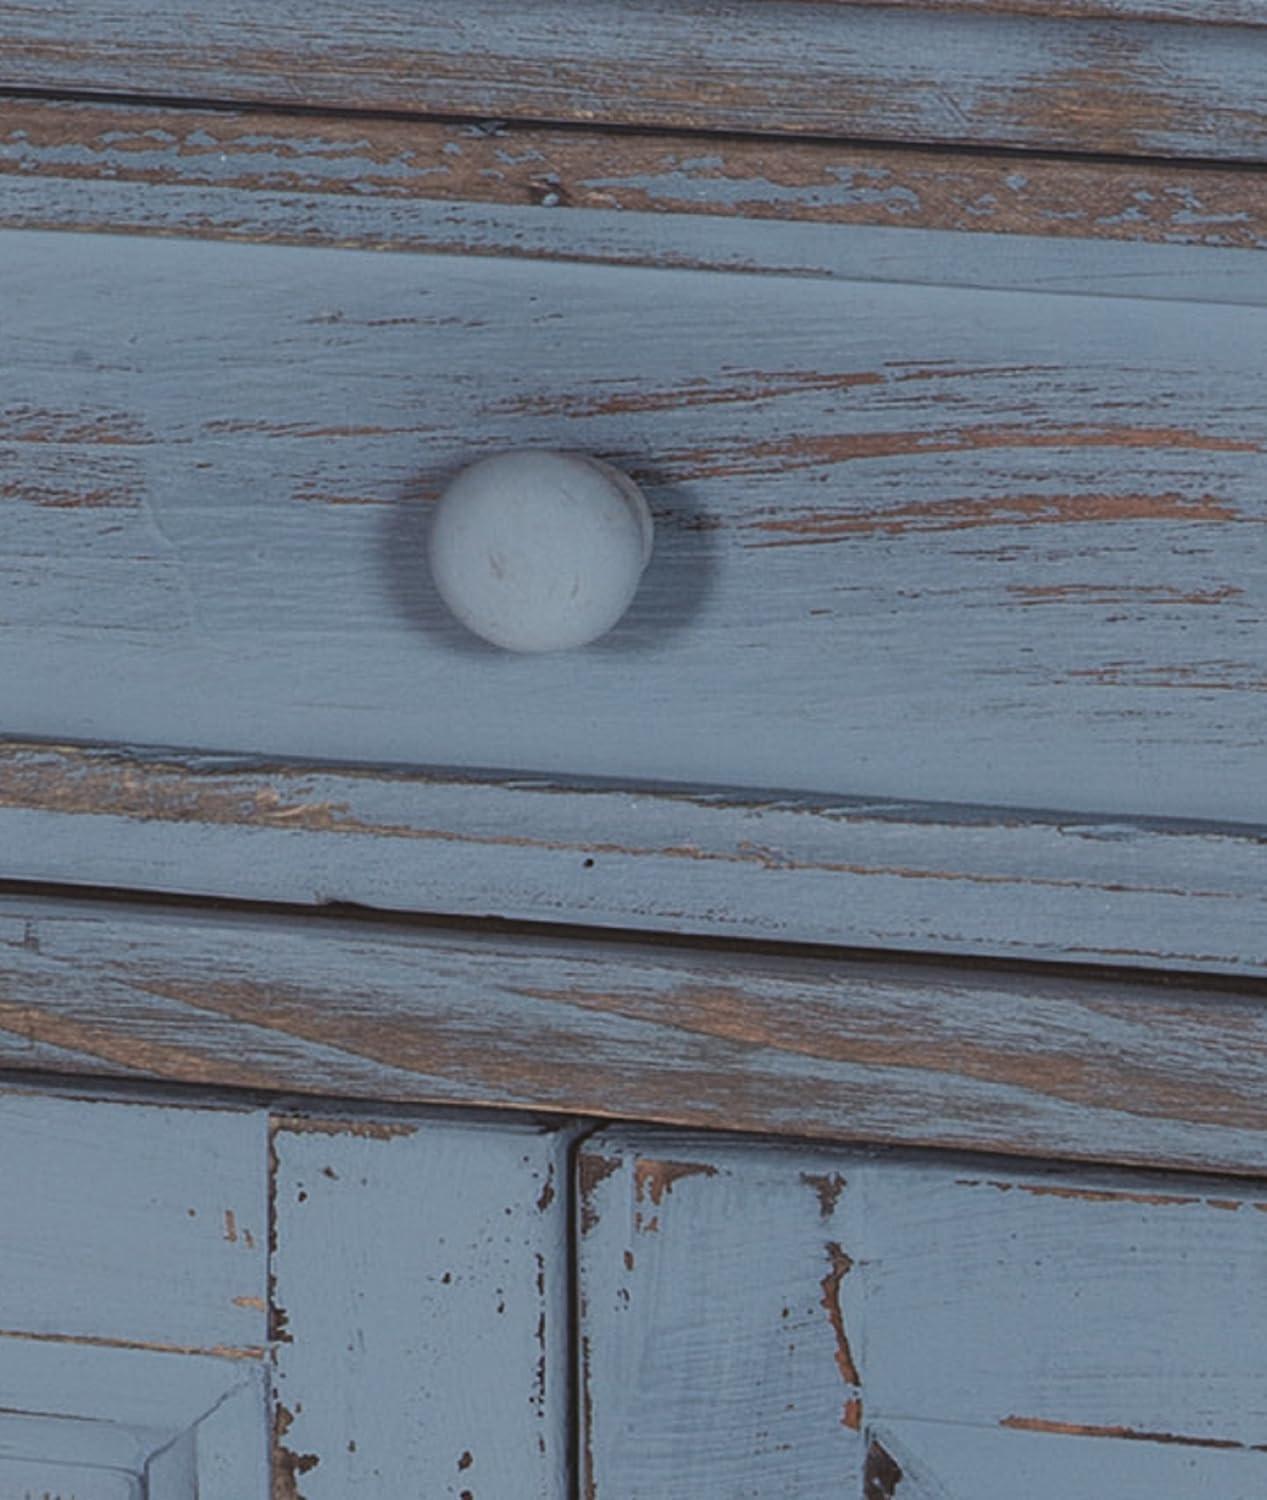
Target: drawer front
[
  {"x": 819, "y": 1323},
  {"x": 912, "y": 541}
]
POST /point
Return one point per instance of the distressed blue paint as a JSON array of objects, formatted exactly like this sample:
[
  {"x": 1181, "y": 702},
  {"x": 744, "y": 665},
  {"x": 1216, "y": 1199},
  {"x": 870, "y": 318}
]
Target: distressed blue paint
[
  {"x": 1003, "y": 1331},
  {"x": 1002, "y": 881},
  {"x": 142, "y": 1223},
  {"x": 874, "y": 72},
  {"x": 1033, "y": 583},
  {"x": 421, "y": 1285}
]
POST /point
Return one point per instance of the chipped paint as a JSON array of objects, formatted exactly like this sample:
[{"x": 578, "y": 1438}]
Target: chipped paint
[
  {"x": 221, "y": 1351},
  {"x": 841, "y": 1265},
  {"x": 1131, "y": 1434},
  {"x": 591, "y": 1171},
  {"x": 655, "y": 1179},
  {"x": 828, "y": 1186},
  {"x": 1016, "y": 511},
  {"x": 881, "y": 1473},
  {"x": 288, "y": 1466},
  {"x": 1087, "y": 1195},
  {"x": 370, "y": 1130}
]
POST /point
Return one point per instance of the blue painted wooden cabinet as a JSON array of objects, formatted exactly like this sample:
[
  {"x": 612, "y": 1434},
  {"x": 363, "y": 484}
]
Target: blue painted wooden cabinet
[{"x": 809, "y": 1042}]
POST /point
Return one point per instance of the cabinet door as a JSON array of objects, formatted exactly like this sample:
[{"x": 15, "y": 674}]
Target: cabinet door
[
  {"x": 761, "y": 1321},
  {"x": 208, "y": 1300}
]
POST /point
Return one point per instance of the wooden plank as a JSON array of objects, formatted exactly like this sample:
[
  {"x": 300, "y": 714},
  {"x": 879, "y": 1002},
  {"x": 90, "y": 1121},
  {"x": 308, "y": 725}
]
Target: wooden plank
[
  {"x": 947, "y": 544},
  {"x": 714, "y": 1359},
  {"x": 977, "y": 1329},
  {"x": 802, "y": 66},
  {"x": 1015, "y": 1061},
  {"x": 334, "y": 179},
  {"x": 136, "y": 1223},
  {"x": 710, "y": 861},
  {"x": 421, "y": 1304}
]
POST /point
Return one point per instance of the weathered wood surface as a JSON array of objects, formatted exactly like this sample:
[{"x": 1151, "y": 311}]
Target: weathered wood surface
[
  {"x": 930, "y": 1461},
  {"x": 1208, "y": 12},
  {"x": 695, "y": 860},
  {"x": 426, "y": 184},
  {"x": 983, "y": 1331},
  {"x": 421, "y": 1286},
  {"x": 929, "y": 542},
  {"x": 872, "y": 72},
  {"x": 136, "y": 1223},
  {"x": 132, "y": 1302},
  {"x": 130, "y": 1423},
  {"x": 713, "y": 1359},
  {"x": 1024, "y": 1061}
]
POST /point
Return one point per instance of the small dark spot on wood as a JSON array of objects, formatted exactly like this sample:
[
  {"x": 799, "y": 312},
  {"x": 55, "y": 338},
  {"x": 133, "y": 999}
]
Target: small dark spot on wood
[
  {"x": 587, "y": 864},
  {"x": 330, "y": 1173},
  {"x": 629, "y": 1260},
  {"x": 465, "y": 1461}
]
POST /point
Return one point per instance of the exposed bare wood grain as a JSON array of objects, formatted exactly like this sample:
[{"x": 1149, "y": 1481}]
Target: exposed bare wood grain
[
  {"x": 798, "y": 66},
  {"x": 1023, "y": 1062},
  {"x": 334, "y": 179},
  {"x": 724, "y": 862}
]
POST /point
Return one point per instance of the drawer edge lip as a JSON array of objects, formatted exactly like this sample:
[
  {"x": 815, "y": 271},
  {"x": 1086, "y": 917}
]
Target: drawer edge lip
[{"x": 846, "y": 872}]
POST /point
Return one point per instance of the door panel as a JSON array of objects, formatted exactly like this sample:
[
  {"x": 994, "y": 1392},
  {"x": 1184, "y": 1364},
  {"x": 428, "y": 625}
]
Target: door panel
[
  {"x": 777, "y": 1321},
  {"x": 420, "y": 1308}
]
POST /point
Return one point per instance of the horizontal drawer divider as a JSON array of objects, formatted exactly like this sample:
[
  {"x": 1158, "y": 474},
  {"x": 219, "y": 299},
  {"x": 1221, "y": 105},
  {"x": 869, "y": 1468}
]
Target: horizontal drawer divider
[
  {"x": 722, "y": 862},
  {"x": 320, "y": 178},
  {"x": 1156, "y": 87},
  {"x": 1099, "y": 1067}
]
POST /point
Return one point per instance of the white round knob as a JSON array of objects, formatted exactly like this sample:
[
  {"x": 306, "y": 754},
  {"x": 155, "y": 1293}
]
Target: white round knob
[{"x": 539, "y": 551}]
